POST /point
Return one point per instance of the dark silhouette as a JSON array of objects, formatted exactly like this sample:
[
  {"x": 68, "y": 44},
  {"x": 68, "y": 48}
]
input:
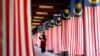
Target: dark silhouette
[{"x": 43, "y": 42}]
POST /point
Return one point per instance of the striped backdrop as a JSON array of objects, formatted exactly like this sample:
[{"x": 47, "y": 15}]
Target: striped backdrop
[{"x": 17, "y": 39}]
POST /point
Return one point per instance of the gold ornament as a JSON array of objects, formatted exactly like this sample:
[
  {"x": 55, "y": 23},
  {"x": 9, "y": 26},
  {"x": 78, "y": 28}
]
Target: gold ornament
[{"x": 94, "y": 1}]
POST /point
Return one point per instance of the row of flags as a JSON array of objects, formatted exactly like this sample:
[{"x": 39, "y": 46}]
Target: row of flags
[
  {"x": 76, "y": 29},
  {"x": 50, "y": 23},
  {"x": 78, "y": 26}
]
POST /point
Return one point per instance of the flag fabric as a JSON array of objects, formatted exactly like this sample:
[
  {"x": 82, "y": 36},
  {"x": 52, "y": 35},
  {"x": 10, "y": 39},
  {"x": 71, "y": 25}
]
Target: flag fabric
[
  {"x": 91, "y": 26},
  {"x": 17, "y": 39},
  {"x": 63, "y": 35},
  {"x": 78, "y": 27},
  {"x": 72, "y": 38},
  {"x": 67, "y": 27},
  {"x": 65, "y": 15},
  {"x": 76, "y": 39},
  {"x": 58, "y": 20},
  {"x": 53, "y": 35},
  {"x": 50, "y": 39},
  {"x": 48, "y": 27},
  {"x": 57, "y": 30}
]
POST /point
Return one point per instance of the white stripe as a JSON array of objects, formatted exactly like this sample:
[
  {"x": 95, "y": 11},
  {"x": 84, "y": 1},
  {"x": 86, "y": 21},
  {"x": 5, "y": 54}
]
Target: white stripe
[
  {"x": 98, "y": 27},
  {"x": 22, "y": 28},
  {"x": 89, "y": 16},
  {"x": 29, "y": 27},
  {"x": 87, "y": 34},
  {"x": 17, "y": 44},
  {"x": 4, "y": 26},
  {"x": 11, "y": 22},
  {"x": 96, "y": 31}
]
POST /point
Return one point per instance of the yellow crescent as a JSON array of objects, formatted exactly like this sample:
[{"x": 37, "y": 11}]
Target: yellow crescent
[
  {"x": 59, "y": 23},
  {"x": 51, "y": 25},
  {"x": 94, "y": 2},
  {"x": 77, "y": 13},
  {"x": 67, "y": 16}
]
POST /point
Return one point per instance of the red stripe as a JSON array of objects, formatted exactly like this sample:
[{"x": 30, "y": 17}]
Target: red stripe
[
  {"x": 95, "y": 29},
  {"x": 84, "y": 24},
  {"x": 19, "y": 30},
  {"x": 51, "y": 37},
  {"x": 26, "y": 28},
  {"x": 14, "y": 44},
  {"x": 7, "y": 26},
  {"x": 1, "y": 27}
]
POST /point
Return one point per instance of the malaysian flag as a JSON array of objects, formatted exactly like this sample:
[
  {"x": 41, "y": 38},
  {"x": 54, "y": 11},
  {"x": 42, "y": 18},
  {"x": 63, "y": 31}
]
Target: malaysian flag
[
  {"x": 63, "y": 35},
  {"x": 47, "y": 35},
  {"x": 49, "y": 38},
  {"x": 72, "y": 46},
  {"x": 65, "y": 16},
  {"x": 17, "y": 39},
  {"x": 57, "y": 33},
  {"x": 92, "y": 27},
  {"x": 76, "y": 37},
  {"x": 78, "y": 27},
  {"x": 67, "y": 27},
  {"x": 53, "y": 35}
]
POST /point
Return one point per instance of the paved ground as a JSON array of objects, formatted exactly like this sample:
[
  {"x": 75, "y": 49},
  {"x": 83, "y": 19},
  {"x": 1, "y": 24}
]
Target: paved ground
[{"x": 38, "y": 52}]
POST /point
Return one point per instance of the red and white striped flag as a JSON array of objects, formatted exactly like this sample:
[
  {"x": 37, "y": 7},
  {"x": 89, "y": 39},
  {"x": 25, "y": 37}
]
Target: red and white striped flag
[
  {"x": 17, "y": 40},
  {"x": 76, "y": 39},
  {"x": 92, "y": 27},
  {"x": 50, "y": 39}
]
